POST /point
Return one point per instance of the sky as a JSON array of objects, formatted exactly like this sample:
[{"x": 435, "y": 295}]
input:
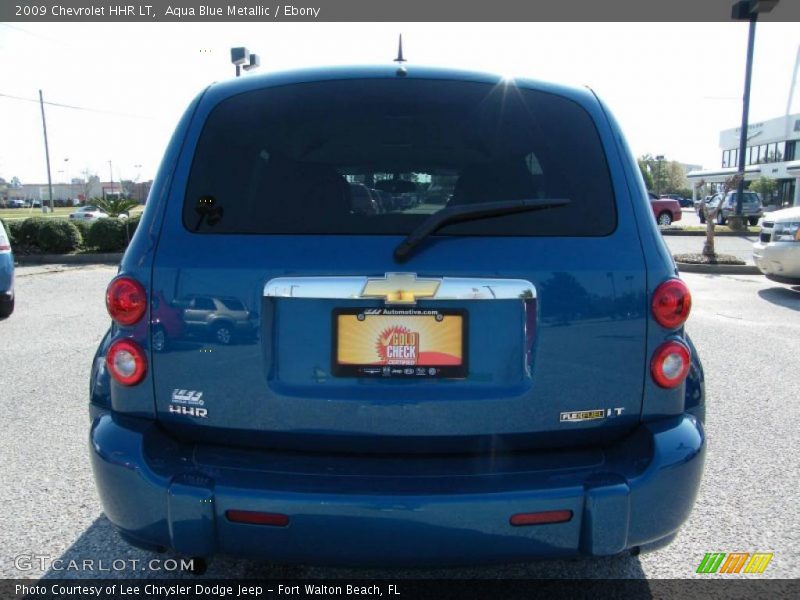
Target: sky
[{"x": 672, "y": 86}]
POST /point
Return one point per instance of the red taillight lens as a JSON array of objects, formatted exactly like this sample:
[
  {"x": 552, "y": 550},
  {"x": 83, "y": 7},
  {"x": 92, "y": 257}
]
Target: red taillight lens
[
  {"x": 670, "y": 364},
  {"x": 257, "y": 518},
  {"x": 540, "y": 518},
  {"x": 126, "y": 300},
  {"x": 672, "y": 302},
  {"x": 126, "y": 362}
]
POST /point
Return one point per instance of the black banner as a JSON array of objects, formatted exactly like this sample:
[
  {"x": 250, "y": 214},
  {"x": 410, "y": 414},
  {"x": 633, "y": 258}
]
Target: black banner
[
  {"x": 382, "y": 10},
  {"x": 202, "y": 589}
]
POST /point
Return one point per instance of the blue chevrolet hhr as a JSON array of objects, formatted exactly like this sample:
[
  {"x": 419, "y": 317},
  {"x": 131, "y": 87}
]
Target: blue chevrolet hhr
[
  {"x": 6, "y": 275},
  {"x": 404, "y": 317}
]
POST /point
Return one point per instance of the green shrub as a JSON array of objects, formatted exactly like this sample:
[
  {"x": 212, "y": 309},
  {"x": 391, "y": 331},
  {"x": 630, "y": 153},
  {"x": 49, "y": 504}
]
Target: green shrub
[
  {"x": 12, "y": 229},
  {"x": 29, "y": 230},
  {"x": 83, "y": 227},
  {"x": 107, "y": 235},
  {"x": 58, "y": 235},
  {"x": 133, "y": 224}
]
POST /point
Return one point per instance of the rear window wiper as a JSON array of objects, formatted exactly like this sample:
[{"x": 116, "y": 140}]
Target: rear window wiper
[{"x": 469, "y": 212}]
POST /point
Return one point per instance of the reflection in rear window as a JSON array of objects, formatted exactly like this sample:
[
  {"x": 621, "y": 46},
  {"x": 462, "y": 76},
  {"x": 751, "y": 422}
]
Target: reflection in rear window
[{"x": 378, "y": 156}]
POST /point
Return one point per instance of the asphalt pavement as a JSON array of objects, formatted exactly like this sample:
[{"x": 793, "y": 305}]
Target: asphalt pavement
[
  {"x": 746, "y": 330},
  {"x": 739, "y": 246}
]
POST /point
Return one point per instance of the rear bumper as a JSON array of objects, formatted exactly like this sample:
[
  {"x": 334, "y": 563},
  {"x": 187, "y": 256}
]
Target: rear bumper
[
  {"x": 6, "y": 277},
  {"x": 160, "y": 492}
]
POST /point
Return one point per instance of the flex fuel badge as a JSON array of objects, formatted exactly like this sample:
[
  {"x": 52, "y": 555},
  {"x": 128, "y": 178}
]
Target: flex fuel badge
[
  {"x": 188, "y": 403},
  {"x": 590, "y": 415}
]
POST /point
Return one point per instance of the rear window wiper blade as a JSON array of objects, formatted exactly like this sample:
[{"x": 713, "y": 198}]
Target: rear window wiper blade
[{"x": 470, "y": 212}]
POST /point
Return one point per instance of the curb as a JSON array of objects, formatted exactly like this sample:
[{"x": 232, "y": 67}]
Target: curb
[
  {"x": 719, "y": 269},
  {"x": 106, "y": 258},
  {"x": 703, "y": 233}
]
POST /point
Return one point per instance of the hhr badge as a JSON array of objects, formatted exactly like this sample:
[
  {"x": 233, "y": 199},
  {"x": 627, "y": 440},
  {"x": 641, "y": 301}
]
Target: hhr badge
[{"x": 188, "y": 403}]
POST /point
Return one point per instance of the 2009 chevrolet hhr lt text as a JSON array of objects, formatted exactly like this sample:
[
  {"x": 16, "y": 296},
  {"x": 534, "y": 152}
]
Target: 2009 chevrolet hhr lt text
[{"x": 384, "y": 317}]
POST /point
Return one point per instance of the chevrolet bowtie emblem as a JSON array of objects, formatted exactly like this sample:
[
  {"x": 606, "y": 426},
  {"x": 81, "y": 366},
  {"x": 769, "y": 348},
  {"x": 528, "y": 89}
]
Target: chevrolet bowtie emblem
[{"x": 400, "y": 288}]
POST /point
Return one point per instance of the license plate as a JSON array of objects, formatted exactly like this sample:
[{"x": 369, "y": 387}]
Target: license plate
[{"x": 399, "y": 342}]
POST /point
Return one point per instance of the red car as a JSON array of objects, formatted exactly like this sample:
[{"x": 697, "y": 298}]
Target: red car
[
  {"x": 665, "y": 210},
  {"x": 166, "y": 322}
]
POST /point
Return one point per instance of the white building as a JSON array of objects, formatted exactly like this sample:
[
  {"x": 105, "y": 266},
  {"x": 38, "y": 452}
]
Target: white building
[
  {"x": 64, "y": 191},
  {"x": 773, "y": 151}
]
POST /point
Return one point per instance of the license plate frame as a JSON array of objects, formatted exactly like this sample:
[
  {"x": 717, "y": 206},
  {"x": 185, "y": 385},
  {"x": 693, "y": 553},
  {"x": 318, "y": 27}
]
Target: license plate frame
[{"x": 430, "y": 369}]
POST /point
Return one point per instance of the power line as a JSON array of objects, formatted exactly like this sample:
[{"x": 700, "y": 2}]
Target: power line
[{"x": 60, "y": 105}]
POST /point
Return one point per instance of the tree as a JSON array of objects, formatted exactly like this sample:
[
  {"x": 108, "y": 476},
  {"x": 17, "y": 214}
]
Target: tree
[
  {"x": 766, "y": 187},
  {"x": 15, "y": 182},
  {"x": 648, "y": 166},
  {"x": 711, "y": 215},
  {"x": 664, "y": 176},
  {"x": 674, "y": 178},
  {"x": 115, "y": 206},
  {"x": 648, "y": 179}
]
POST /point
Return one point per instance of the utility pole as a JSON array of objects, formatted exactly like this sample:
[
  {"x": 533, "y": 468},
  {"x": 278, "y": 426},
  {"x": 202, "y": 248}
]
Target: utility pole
[
  {"x": 660, "y": 159},
  {"x": 46, "y": 155},
  {"x": 746, "y": 10}
]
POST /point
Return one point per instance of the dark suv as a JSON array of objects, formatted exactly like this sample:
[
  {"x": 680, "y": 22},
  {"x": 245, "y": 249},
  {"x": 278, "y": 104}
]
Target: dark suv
[
  {"x": 491, "y": 367},
  {"x": 752, "y": 208}
]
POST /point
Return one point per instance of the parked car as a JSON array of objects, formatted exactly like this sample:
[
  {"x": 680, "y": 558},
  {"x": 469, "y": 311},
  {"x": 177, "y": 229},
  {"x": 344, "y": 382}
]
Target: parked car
[
  {"x": 777, "y": 251},
  {"x": 222, "y": 320},
  {"x": 698, "y": 204},
  {"x": 89, "y": 213},
  {"x": 363, "y": 201},
  {"x": 680, "y": 199},
  {"x": 751, "y": 207},
  {"x": 665, "y": 210},
  {"x": 500, "y": 378},
  {"x": 15, "y": 203},
  {"x": 166, "y": 322},
  {"x": 6, "y": 275}
]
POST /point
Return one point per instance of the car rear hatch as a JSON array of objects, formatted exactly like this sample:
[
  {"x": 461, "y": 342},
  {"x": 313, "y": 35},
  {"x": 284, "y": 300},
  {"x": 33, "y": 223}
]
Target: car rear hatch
[{"x": 516, "y": 331}]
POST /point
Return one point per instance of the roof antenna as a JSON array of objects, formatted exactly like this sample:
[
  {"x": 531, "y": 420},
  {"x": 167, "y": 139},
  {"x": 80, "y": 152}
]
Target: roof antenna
[{"x": 401, "y": 70}]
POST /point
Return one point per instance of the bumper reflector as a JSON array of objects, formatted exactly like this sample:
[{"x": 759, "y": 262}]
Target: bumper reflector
[
  {"x": 257, "y": 518},
  {"x": 541, "y": 518}
]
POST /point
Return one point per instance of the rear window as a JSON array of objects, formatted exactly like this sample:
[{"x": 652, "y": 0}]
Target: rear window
[
  {"x": 379, "y": 156},
  {"x": 747, "y": 198}
]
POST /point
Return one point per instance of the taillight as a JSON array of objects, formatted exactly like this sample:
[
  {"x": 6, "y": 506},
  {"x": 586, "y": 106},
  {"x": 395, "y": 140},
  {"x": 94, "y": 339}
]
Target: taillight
[
  {"x": 126, "y": 300},
  {"x": 670, "y": 364},
  {"x": 126, "y": 362},
  {"x": 671, "y": 304}
]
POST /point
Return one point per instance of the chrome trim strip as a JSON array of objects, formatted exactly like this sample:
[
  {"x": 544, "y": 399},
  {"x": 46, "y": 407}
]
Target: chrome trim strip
[{"x": 351, "y": 288}]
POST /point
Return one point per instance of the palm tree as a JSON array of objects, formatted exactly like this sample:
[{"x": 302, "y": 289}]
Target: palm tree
[{"x": 116, "y": 206}]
